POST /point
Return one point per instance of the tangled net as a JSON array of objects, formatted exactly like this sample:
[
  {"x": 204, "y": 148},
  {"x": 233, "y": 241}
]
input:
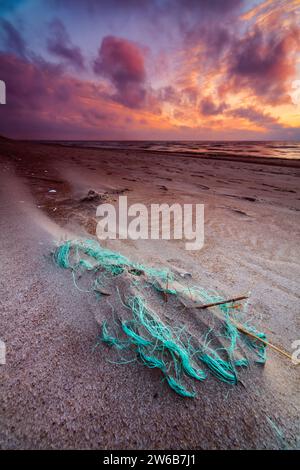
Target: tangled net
[{"x": 187, "y": 346}]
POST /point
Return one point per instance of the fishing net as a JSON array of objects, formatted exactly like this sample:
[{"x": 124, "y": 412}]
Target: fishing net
[{"x": 154, "y": 318}]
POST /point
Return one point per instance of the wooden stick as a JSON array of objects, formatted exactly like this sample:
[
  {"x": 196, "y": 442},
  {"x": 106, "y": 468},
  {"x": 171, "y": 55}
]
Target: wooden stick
[
  {"x": 221, "y": 302},
  {"x": 243, "y": 330}
]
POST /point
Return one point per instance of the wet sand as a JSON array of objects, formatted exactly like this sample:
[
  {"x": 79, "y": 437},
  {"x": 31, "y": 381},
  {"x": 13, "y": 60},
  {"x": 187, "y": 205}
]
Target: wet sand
[{"x": 56, "y": 391}]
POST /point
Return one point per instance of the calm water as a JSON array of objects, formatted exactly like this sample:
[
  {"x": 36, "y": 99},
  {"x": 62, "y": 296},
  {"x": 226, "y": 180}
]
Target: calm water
[{"x": 290, "y": 150}]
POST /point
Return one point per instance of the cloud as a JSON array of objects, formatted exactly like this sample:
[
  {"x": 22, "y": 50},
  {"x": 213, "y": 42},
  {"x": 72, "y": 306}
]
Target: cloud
[
  {"x": 255, "y": 115},
  {"x": 41, "y": 98},
  {"x": 122, "y": 62},
  {"x": 208, "y": 22},
  {"x": 215, "y": 7},
  {"x": 29, "y": 85},
  {"x": 263, "y": 61},
  {"x": 95, "y": 5},
  {"x": 209, "y": 108},
  {"x": 45, "y": 102},
  {"x": 169, "y": 6},
  {"x": 60, "y": 45},
  {"x": 169, "y": 94},
  {"x": 257, "y": 58},
  {"x": 12, "y": 39},
  {"x": 270, "y": 125},
  {"x": 198, "y": 55}
]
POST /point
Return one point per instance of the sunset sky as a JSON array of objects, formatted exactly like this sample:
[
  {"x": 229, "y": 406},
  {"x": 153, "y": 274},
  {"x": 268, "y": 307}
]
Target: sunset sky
[{"x": 150, "y": 69}]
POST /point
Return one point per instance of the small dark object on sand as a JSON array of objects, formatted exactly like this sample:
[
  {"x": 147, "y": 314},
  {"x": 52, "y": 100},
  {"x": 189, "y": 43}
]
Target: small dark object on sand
[{"x": 93, "y": 196}]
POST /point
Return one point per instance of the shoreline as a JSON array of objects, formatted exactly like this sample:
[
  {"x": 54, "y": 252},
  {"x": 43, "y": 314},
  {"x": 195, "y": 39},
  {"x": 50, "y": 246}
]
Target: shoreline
[{"x": 272, "y": 161}]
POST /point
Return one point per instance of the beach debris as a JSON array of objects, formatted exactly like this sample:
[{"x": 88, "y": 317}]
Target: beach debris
[
  {"x": 262, "y": 340},
  {"x": 146, "y": 323},
  {"x": 97, "y": 197},
  {"x": 91, "y": 196},
  {"x": 185, "y": 274},
  {"x": 182, "y": 272},
  {"x": 222, "y": 302}
]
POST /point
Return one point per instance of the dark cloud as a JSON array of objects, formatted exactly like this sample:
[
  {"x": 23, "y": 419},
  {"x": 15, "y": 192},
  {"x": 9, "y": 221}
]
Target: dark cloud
[
  {"x": 206, "y": 20},
  {"x": 205, "y": 8},
  {"x": 29, "y": 85},
  {"x": 254, "y": 115},
  {"x": 263, "y": 61},
  {"x": 209, "y": 108},
  {"x": 122, "y": 62},
  {"x": 172, "y": 7},
  {"x": 211, "y": 25},
  {"x": 12, "y": 39},
  {"x": 43, "y": 101},
  {"x": 169, "y": 94},
  {"x": 127, "y": 8},
  {"x": 60, "y": 45},
  {"x": 191, "y": 94},
  {"x": 270, "y": 124}
]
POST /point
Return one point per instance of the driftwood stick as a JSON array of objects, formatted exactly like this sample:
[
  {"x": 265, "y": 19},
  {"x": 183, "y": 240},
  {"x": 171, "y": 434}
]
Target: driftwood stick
[
  {"x": 244, "y": 330},
  {"x": 221, "y": 302},
  {"x": 252, "y": 335}
]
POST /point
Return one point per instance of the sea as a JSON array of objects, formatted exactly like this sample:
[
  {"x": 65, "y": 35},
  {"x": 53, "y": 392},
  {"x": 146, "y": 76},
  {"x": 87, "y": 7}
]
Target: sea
[{"x": 271, "y": 149}]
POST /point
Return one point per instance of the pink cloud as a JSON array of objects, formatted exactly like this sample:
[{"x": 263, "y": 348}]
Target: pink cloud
[
  {"x": 45, "y": 102},
  {"x": 122, "y": 62}
]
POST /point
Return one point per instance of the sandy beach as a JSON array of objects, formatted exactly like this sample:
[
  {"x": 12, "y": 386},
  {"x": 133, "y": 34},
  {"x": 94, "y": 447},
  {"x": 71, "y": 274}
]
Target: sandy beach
[{"x": 56, "y": 390}]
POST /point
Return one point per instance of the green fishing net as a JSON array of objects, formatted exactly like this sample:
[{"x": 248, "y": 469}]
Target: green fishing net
[{"x": 154, "y": 318}]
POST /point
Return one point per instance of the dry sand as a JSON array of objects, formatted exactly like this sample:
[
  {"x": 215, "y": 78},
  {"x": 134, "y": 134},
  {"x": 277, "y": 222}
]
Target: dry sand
[{"x": 56, "y": 391}]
